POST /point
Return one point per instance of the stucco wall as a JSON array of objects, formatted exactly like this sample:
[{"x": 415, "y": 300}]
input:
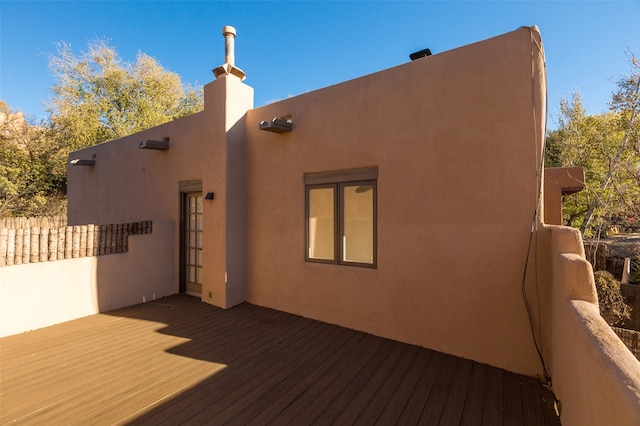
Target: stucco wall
[
  {"x": 457, "y": 140},
  {"x": 595, "y": 377},
  {"x": 129, "y": 184},
  {"x": 37, "y": 295}
]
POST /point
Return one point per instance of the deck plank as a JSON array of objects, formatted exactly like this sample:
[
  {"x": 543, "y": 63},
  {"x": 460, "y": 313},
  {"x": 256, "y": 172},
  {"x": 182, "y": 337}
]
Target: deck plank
[
  {"x": 273, "y": 367},
  {"x": 286, "y": 391},
  {"x": 496, "y": 399},
  {"x": 398, "y": 400},
  {"x": 178, "y": 360},
  {"x": 356, "y": 383},
  {"x": 531, "y": 402},
  {"x": 454, "y": 405},
  {"x": 320, "y": 393},
  {"x": 474, "y": 399},
  {"x": 438, "y": 396},
  {"x": 513, "y": 398},
  {"x": 250, "y": 350},
  {"x": 388, "y": 388},
  {"x": 376, "y": 389}
]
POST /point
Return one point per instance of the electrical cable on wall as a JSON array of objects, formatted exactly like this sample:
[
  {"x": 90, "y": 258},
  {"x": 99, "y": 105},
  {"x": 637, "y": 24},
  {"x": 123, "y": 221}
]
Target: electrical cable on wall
[{"x": 534, "y": 221}]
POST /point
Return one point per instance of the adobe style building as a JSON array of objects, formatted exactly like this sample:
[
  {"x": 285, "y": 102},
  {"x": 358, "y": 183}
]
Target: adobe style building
[{"x": 407, "y": 203}]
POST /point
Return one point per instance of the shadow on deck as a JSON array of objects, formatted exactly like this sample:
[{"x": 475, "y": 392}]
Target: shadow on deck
[{"x": 177, "y": 360}]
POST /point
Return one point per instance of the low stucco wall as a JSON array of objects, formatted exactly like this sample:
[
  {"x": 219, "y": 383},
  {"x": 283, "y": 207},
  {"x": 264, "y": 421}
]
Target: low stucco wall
[
  {"x": 37, "y": 295},
  {"x": 595, "y": 377}
]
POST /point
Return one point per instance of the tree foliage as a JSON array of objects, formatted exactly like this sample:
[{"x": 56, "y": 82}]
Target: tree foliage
[
  {"x": 607, "y": 146},
  {"x": 97, "y": 96},
  {"x": 32, "y": 172}
]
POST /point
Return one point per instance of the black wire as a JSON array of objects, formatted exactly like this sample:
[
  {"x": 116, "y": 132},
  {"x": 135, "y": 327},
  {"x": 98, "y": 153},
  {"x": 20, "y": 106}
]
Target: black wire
[{"x": 539, "y": 168}]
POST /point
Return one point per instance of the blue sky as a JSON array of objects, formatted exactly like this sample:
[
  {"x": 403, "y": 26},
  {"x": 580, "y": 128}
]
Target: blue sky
[{"x": 289, "y": 48}]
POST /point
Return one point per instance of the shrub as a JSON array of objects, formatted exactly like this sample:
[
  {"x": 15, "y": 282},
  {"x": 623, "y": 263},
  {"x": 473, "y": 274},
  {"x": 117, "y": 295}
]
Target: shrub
[{"x": 610, "y": 300}]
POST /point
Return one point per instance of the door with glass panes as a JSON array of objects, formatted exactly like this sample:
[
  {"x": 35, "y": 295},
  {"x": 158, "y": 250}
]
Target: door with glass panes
[{"x": 191, "y": 253}]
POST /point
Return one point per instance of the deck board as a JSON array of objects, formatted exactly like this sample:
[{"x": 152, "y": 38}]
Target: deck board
[
  {"x": 399, "y": 399},
  {"x": 417, "y": 401},
  {"x": 394, "y": 377},
  {"x": 454, "y": 405},
  {"x": 474, "y": 399},
  {"x": 177, "y": 360},
  {"x": 320, "y": 393},
  {"x": 497, "y": 403},
  {"x": 512, "y": 408},
  {"x": 373, "y": 387},
  {"x": 286, "y": 390}
]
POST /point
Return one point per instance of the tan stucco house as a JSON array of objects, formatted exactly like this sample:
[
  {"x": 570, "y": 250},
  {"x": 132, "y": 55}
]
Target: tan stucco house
[{"x": 407, "y": 203}]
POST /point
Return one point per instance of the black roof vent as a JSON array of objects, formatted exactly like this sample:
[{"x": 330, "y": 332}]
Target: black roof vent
[{"x": 420, "y": 54}]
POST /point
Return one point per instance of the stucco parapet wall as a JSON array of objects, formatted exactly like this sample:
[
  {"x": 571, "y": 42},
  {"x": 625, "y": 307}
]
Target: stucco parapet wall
[
  {"x": 578, "y": 282},
  {"x": 37, "y": 295},
  {"x": 560, "y": 181},
  {"x": 43, "y": 244},
  {"x": 566, "y": 240},
  {"x": 595, "y": 377}
]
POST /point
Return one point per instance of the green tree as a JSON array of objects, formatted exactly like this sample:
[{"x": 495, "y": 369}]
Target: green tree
[
  {"x": 98, "y": 97},
  {"x": 607, "y": 146},
  {"x": 32, "y": 172}
]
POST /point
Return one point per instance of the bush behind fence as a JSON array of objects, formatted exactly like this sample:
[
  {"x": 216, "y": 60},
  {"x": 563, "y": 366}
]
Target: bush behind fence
[{"x": 30, "y": 240}]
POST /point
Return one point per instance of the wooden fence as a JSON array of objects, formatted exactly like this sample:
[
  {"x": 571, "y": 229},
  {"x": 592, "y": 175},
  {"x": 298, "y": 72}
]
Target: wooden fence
[
  {"x": 45, "y": 239},
  {"x": 631, "y": 294},
  {"x": 29, "y": 222},
  {"x": 631, "y": 339}
]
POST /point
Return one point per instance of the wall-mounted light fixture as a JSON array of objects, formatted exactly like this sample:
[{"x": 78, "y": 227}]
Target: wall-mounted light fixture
[
  {"x": 159, "y": 145},
  {"x": 277, "y": 125},
  {"x": 209, "y": 196},
  {"x": 79, "y": 162},
  {"x": 420, "y": 54}
]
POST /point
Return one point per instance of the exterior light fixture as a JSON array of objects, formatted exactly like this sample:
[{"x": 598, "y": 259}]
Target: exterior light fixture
[
  {"x": 277, "y": 125},
  {"x": 79, "y": 162},
  {"x": 159, "y": 145},
  {"x": 420, "y": 54},
  {"x": 209, "y": 196}
]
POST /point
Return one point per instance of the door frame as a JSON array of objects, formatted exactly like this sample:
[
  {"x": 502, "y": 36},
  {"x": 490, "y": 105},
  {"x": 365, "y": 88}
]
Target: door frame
[{"x": 186, "y": 187}]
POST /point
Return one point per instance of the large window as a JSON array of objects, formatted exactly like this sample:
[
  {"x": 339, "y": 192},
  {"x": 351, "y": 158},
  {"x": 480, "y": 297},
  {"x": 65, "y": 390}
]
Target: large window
[{"x": 341, "y": 217}]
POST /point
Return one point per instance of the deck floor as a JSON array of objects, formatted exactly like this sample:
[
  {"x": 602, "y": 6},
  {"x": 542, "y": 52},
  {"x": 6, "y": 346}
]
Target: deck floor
[{"x": 180, "y": 361}]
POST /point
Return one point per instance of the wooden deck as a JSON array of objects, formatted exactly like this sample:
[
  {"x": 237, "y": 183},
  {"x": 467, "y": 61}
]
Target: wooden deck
[{"x": 180, "y": 361}]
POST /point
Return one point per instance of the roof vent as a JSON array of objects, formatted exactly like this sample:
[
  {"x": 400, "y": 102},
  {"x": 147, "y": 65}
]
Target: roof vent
[{"x": 420, "y": 54}]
